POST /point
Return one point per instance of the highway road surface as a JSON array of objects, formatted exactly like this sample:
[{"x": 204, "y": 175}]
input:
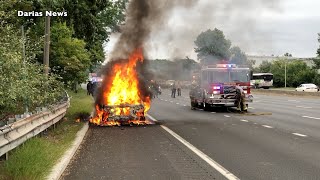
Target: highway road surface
[{"x": 279, "y": 138}]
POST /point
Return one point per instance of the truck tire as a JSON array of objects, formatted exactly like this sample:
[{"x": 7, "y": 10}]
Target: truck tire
[{"x": 206, "y": 107}]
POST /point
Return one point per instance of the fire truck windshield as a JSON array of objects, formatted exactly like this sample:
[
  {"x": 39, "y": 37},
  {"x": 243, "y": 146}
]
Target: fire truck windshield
[{"x": 234, "y": 75}]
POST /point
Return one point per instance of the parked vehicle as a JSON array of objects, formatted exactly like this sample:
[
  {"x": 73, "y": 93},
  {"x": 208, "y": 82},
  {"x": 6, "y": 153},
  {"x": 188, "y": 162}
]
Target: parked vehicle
[
  {"x": 262, "y": 80},
  {"x": 308, "y": 88}
]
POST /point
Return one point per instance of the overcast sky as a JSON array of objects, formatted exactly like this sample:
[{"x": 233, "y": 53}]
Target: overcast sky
[{"x": 257, "y": 27}]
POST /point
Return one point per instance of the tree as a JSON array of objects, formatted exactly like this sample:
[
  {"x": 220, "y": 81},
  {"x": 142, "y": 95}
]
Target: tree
[
  {"x": 23, "y": 85},
  {"x": 91, "y": 21},
  {"x": 212, "y": 46},
  {"x": 287, "y": 54},
  {"x": 316, "y": 61},
  {"x": 297, "y": 73},
  {"x": 265, "y": 67},
  {"x": 68, "y": 56},
  {"x": 318, "y": 51},
  {"x": 237, "y": 56}
]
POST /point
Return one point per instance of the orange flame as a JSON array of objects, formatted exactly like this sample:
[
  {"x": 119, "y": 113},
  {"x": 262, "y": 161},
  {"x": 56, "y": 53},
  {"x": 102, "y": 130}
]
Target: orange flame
[{"x": 123, "y": 88}]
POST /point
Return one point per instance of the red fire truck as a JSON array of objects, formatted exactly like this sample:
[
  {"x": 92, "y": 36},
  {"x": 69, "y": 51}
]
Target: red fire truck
[{"x": 217, "y": 85}]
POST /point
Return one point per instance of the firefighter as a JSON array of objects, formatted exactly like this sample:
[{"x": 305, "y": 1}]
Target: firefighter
[{"x": 240, "y": 99}]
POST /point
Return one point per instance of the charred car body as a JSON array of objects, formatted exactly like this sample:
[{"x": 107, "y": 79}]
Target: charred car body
[
  {"x": 225, "y": 85},
  {"x": 124, "y": 114}
]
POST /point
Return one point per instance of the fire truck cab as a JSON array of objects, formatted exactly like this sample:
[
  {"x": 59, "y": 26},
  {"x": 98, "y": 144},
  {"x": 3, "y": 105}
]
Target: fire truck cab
[{"x": 219, "y": 85}]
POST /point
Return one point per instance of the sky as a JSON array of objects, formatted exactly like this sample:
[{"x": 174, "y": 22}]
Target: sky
[{"x": 258, "y": 27}]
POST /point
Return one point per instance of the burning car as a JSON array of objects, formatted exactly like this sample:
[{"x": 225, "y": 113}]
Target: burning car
[{"x": 121, "y": 99}]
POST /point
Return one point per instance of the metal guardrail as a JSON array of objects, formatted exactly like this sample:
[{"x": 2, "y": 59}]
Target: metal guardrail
[{"x": 14, "y": 134}]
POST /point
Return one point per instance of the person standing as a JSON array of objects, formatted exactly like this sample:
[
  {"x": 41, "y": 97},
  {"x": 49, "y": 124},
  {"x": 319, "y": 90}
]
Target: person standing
[
  {"x": 179, "y": 88},
  {"x": 155, "y": 89},
  {"x": 173, "y": 90},
  {"x": 89, "y": 86}
]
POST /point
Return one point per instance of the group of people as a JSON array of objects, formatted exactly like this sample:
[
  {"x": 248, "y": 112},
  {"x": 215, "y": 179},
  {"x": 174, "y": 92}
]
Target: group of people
[
  {"x": 155, "y": 89},
  {"x": 175, "y": 88}
]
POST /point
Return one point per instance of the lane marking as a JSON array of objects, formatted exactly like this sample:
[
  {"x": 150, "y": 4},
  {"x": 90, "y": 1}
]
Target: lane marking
[
  {"x": 165, "y": 100},
  {"x": 251, "y": 108},
  {"x": 171, "y": 101},
  {"x": 270, "y": 127},
  {"x": 213, "y": 112},
  {"x": 306, "y": 107},
  {"x": 177, "y": 103},
  {"x": 298, "y": 134},
  {"x": 293, "y": 101},
  {"x": 226, "y": 116},
  {"x": 310, "y": 117},
  {"x": 243, "y": 120},
  {"x": 184, "y": 105},
  {"x": 202, "y": 155}
]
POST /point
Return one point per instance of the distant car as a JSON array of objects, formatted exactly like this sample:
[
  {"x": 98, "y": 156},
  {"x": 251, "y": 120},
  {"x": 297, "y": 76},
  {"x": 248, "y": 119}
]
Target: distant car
[{"x": 308, "y": 88}]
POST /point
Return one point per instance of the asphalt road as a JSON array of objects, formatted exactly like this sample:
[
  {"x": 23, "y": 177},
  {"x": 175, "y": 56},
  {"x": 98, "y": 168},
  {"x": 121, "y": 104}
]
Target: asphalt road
[{"x": 279, "y": 138}]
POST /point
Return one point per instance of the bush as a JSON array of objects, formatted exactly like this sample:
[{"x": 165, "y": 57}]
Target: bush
[{"x": 22, "y": 83}]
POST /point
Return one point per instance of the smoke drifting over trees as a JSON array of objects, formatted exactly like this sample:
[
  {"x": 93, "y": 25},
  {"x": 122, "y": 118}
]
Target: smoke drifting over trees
[
  {"x": 237, "y": 19},
  {"x": 141, "y": 17}
]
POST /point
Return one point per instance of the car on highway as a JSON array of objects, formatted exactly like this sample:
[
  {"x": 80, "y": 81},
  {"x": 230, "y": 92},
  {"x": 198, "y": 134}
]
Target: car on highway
[{"x": 308, "y": 88}]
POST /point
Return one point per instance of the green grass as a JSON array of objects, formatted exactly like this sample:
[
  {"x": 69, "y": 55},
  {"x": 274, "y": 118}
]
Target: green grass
[
  {"x": 283, "y": 88},
  {"x": 35, "y": 159}
]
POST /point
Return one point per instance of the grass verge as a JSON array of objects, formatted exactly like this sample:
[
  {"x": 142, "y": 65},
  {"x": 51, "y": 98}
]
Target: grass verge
[{"x": 35, "y": 159}]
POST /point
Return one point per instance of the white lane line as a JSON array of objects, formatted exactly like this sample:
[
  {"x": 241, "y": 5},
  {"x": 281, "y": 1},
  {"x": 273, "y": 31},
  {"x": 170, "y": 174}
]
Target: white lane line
[
  {"x": 171, "y": 101},
  {"x": 177, "y": 103},
  {"x": 270, "y": 127},
  {"x": 226, "y": 116},
  {"x": 293, "y": 101},
  {"x": 298, "y": 134},
  {"x": 306, "y": 107},
  {"x": 213, "y": 112},
  {"x": 310, "y": 117},
  {"x": 165, "y": 100},
  {"x": 251, "y": 108},
  {"x": 243, "y": 120},
  {"x": 202, "y": 155},
  {"x": 184, "y": 105}
]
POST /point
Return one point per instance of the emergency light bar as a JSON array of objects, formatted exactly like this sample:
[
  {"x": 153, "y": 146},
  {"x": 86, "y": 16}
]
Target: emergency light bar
[{"x": 226, "y": 66}]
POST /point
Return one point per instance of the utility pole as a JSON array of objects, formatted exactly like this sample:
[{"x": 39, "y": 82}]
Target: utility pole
[
  {"x": 285, "y": 73},
  {"x": 24, "y": 64},
  {"x": 46, "y": 46}
]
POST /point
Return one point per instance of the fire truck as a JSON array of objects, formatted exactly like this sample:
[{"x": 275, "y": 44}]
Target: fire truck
[{"x": 218, "y": 85}]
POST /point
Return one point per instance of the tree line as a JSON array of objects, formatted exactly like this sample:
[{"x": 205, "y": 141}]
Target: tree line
[{"x": 76, "y": 48}]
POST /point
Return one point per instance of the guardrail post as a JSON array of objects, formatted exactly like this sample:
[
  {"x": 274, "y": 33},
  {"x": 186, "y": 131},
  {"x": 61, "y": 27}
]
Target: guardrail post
[{"x": 4, "y": 157}]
